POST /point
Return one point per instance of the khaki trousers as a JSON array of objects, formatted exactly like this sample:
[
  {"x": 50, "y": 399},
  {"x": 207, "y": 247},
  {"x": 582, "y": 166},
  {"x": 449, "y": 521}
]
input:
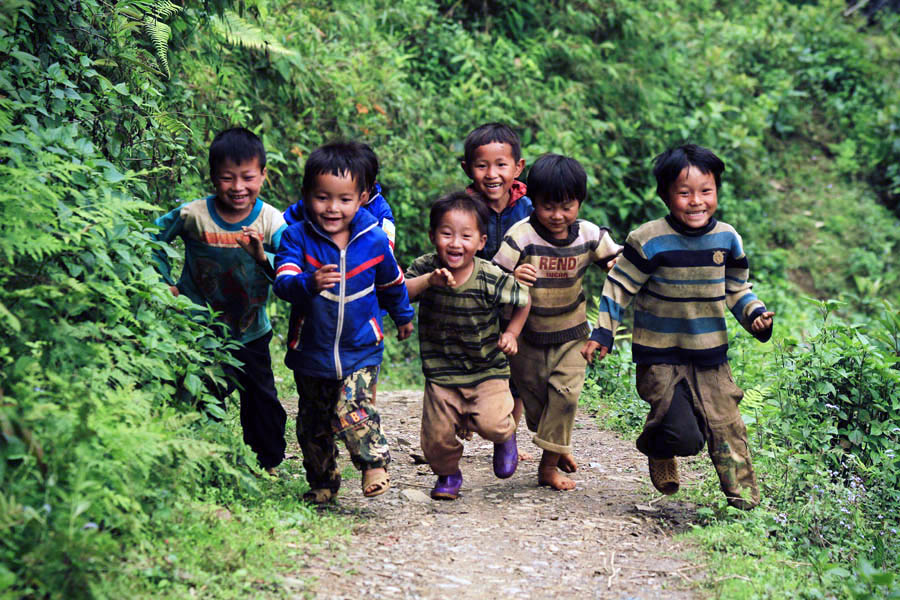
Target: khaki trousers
[
  {"x": 448, "y": 412},
  {"x": 549, "y": 380},
  {"x": 715, "y": 398}
]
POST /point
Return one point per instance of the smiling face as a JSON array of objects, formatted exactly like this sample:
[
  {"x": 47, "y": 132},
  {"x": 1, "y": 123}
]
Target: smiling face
[
  {"x": 493, "y": 170},
  {"x": 557, "y": 216},
  {"x": 237, "y": 186},
  {"x": 693, "y": 197},
  {"x": 333, "y": 202},
  {"x": 457, "y": 239}
]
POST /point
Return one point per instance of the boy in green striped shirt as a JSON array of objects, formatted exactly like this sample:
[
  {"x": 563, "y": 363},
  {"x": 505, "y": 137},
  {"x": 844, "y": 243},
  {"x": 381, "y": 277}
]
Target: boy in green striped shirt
[{"x": 464, "y": 352}]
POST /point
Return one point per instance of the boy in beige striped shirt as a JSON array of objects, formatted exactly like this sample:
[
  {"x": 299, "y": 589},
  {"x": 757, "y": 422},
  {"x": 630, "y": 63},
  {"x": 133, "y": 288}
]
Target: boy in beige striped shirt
[{"x": 550, "y": 251}]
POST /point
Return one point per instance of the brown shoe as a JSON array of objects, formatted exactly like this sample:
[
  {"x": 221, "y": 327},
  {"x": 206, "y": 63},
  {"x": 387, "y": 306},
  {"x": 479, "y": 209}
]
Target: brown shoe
[{"x": 664, "y": 475}]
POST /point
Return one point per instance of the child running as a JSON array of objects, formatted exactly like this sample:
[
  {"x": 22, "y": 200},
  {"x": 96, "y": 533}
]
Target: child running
[
  {"x": 337, "y": 269},
  {"x": 551, "y": 251},
  {"x": 226, "y": 237},
  {"x": 682, "y": 272},
  {"x": 492, "y": 159},
  {"x": 462, "y": 345}
]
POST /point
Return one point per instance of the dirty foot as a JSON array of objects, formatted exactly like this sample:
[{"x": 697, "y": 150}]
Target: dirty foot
[
  {"x": 567, "y": 463},
  {"x": 549, "y": 475},
  {"x": 525, "y": 455}
]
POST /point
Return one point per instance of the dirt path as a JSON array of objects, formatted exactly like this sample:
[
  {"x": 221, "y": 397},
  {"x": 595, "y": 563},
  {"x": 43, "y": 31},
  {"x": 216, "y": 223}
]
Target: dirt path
[{"x": 610, "y": 538}]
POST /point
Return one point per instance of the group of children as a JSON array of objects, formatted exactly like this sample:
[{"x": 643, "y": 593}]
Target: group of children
[{"x": 502, "y": 312}]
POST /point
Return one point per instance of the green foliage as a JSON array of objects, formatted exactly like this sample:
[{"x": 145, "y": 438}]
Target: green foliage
[{"x": 103, "y": 125}]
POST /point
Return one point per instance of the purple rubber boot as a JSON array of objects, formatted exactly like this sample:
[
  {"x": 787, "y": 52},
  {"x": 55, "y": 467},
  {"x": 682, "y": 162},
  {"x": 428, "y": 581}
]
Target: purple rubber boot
[
  {"x": 506, "y": 458},
  {"x": 447, "y": 487}
]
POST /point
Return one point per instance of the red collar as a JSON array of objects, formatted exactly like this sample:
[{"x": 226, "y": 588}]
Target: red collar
[{"x": 516, "y": 191}]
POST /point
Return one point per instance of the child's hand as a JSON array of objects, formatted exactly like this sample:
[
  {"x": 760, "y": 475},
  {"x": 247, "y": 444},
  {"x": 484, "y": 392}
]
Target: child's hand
[
  {"x": 526, "y": 274},
  {"x": 441, "y": 278},
  {"x": 252, "y": 242},
  {"x": 508, "y": 344},
  {"x": 326, "y": 277},
  {"x": 174, "y": 291},
  {"x": 404, "y": 331},
  {"x": 762, "y": 322},
  {"x": 612, "y": 263},
  {"x": 587, "y": 351}
]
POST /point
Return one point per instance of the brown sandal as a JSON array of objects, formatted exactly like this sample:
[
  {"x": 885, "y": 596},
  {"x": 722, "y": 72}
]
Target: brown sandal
[
  {"x": 380, "y": 480},
  {"x": 319, "y": 495},
  {"x": 664, "y": 475}
]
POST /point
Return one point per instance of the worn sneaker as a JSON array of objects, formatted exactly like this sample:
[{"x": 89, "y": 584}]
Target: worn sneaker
[{"x": 664, "y": 475}]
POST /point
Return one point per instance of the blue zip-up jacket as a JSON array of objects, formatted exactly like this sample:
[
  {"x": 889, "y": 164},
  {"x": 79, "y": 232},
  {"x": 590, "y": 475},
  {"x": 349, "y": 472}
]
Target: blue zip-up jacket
[
  {"x": 342, "y": 328},
  {"x": 519, "y": 208},
  {"x": 377, "y": 205}
]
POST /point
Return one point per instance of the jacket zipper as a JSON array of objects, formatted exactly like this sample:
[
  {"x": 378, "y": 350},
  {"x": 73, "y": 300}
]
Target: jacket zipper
[
  {"x": 343, "y": 290},
  {"x": 340, "y": 319}
]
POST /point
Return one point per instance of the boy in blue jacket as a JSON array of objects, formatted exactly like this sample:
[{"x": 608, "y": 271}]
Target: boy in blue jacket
[
  {"x": 337, "y": 269},
  {"x": 375, "y": 204}
]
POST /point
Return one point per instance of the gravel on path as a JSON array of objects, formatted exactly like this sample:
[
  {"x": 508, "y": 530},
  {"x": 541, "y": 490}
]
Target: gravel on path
[{"x": 611, "y": 537}]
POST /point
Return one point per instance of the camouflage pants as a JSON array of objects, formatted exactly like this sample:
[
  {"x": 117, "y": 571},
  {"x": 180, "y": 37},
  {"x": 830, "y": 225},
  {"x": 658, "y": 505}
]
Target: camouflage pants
[
  {"x": 714, "y": 399},
  {"x": 342, "y": 408}
]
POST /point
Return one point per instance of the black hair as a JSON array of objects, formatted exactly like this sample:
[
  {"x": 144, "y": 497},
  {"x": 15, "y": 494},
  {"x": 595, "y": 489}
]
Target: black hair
[
  {"x": 669, "y": 165},
  {"x": 371, "y": 160},
  {"x": 238, "y": 145},
  {"x": 339, "y": 159},
  {"x": 556, "y": 178},
  {"x": 471, "y": 203},
  {"x": 488, "y": 134}
]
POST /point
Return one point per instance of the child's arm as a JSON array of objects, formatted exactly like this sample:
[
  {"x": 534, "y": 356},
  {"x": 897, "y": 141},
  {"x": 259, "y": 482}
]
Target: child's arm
[
  {"x": 437, "y": 278},
  {"x": 252, "y": 243},
  {"x": 606, "y": 254},
  {"x": 391, "y": 292},
  {"x": 627, "y": 277},
  {"x": 509, "y": 339},
  {"x": 749, "y": 310},
  {"x": 293, "y": 282},
  {"x": 170, "y": 226}
]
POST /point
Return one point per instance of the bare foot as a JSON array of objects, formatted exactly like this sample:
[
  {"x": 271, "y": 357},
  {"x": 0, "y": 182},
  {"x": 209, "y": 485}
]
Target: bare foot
[
  {"x": 567, "y": 463},
  {"x": 555, "y": 479},
  {"x": 525, "y": 455},
  {"x": 549, "y": 475}
]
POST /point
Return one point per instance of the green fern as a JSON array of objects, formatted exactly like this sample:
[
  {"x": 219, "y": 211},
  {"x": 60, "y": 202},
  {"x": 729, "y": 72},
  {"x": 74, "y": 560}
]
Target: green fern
[
  {"x": 240, "y": 32},
  {"x": 152, "y": 14}
]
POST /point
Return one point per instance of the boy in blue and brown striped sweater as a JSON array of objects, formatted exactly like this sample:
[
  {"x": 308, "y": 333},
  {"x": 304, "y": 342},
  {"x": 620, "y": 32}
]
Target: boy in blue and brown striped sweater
[{"x": 683, "y": 271}]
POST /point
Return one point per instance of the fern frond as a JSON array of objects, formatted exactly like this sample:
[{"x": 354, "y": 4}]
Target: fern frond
[
  {"x": 159, "y": 34},
  {"x": 171, "y": 125},
  {"x": 239, "y": 32}
]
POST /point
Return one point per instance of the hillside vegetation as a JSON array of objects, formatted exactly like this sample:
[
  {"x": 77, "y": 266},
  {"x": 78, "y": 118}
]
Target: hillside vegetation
[{"x": 112, "y": 484}]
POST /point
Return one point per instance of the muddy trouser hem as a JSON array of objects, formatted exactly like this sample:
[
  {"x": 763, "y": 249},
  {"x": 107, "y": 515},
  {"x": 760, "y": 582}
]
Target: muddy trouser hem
[
  {"x": 342, "y": 408},
  {"x": 262, "y": 416},
  {"x": 714, "y": 398},
  {"x": 448, "y": 412},
  {"x": 549, "y": 380}
]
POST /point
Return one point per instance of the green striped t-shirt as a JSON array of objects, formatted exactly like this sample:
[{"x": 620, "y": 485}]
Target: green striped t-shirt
[{"x": 459, "y": 327}]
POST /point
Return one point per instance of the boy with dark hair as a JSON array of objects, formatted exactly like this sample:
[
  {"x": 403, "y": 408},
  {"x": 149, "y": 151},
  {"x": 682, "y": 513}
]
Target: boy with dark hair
[
  {"x": 336, "y": 267},
  {"x": 226, "y": 237},
  {"x": 682, "y": 272},
  {"x": 463, "y": 347},
  {"x": 375, "y": 204},
  {"x": 551, "y": 251},
  {"x": 492, "y": 159}
]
